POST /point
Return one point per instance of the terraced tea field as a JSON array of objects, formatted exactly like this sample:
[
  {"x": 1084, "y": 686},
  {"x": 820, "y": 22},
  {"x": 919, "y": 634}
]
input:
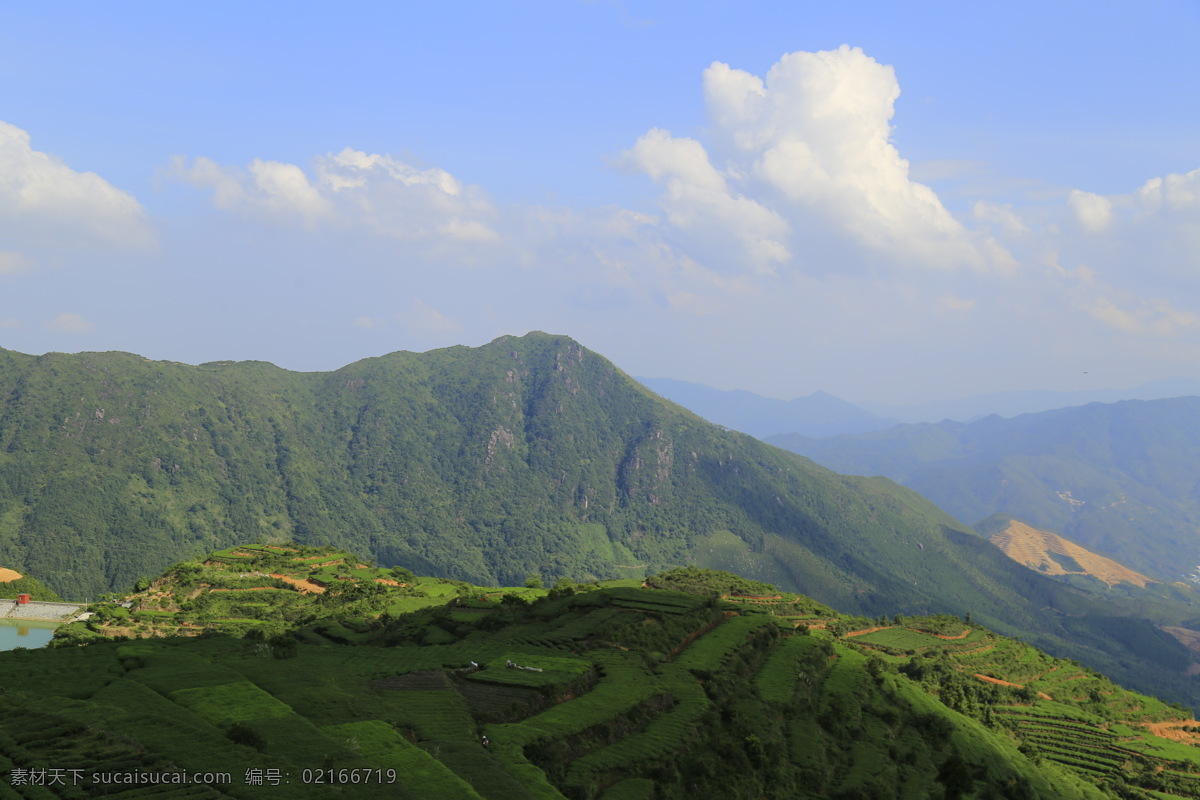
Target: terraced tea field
[
  {"x": 1060, "y": 711},
  {"x": 589, "y": 693}
]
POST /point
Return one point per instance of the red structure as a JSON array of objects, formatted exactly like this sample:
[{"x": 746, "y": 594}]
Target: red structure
[{"x": 22, "y": 599}]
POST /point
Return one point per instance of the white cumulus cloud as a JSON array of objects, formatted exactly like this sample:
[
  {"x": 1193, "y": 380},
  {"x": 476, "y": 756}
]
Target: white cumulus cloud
[
  {"x": 350, "y": 190},
  {"x": 44, "y": 204},
  {"x": 699, "y": 201},
  {"x": 1092, "y": 211},
  {"x": 801, "y": 163},
  {"x": 270, "y": 188}
]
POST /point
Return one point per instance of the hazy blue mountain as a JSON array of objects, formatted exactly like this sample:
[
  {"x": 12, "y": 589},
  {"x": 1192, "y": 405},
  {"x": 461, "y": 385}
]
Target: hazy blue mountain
[
  {"x": 1123, "y": 479},
  {"x": 1011, "y": 404},
  {"x": 818, "y": 414}
]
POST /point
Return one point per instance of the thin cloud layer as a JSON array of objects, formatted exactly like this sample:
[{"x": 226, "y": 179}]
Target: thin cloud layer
[
  {"x": 71, "y": 323},
  {"x": 1120, "y": 257}
]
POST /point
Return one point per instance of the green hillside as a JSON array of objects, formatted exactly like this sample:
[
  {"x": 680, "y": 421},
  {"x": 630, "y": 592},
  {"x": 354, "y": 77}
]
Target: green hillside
[
  {"x": 527, "y": 456},
  {"x": 27, "y": 585},
  {"x": 1118, "y": 478},
  {"x": 701, "y": 685}
]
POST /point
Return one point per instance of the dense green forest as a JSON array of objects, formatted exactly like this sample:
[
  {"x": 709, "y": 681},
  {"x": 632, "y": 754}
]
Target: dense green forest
[
  {"x": 709, "y": 686},
  {"x": 1119, "y": 478},
  {"x": 527, "y": 456}
]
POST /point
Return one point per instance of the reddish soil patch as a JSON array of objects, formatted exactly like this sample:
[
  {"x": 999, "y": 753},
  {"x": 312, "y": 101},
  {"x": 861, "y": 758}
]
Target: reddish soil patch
[
  {"x": 303, "y": 586},
  {"x": 389, "y": 582},
  {"x": 990, "y": 679},
  {"x": 7, "y": 575}
]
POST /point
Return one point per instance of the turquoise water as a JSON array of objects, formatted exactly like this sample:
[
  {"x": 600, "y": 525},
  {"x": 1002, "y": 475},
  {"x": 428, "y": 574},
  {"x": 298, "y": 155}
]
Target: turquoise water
[{"x": 15, "y": 633}]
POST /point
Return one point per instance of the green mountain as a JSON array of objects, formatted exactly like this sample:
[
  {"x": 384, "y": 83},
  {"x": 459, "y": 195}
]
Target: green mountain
[
  {"x": 526, "y": 456},
  {"x": 1119, "y": 478},
  {"x": 701, "y": 684}
]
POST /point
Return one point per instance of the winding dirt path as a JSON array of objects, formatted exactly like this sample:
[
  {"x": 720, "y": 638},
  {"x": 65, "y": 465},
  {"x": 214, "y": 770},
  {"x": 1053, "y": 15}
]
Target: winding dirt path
[
  {"x": 966, "y": 632},
  {"x": 990, "y": 679}
]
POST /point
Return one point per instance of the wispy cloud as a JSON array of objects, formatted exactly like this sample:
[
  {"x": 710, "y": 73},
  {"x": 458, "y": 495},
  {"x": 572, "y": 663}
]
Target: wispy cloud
[{"x": 71, "y": 323}]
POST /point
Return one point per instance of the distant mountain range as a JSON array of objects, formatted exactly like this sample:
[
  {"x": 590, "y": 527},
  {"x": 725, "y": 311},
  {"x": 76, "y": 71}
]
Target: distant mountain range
[
  {"x": 821, "y": 414},
  {"x": 818, "y": 414},
  {"x": 1014, "y": 403},
  {"x": 1122, "y": 479}
]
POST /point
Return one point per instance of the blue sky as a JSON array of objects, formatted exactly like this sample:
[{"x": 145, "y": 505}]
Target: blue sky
[{"x": 889, "y": 202}]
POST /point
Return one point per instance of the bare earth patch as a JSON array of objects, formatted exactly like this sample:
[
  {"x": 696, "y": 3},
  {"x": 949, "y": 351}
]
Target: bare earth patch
[
  {"x": 1032, "y": 547},
  {"x": 1173, "y": 730},
  {"x": 7, "y": 575},
  {"x": 303, "y": 586}
]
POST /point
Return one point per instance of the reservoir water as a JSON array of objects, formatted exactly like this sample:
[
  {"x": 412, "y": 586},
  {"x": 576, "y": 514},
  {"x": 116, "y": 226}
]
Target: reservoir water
[{"x": 24, "y": 633}]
